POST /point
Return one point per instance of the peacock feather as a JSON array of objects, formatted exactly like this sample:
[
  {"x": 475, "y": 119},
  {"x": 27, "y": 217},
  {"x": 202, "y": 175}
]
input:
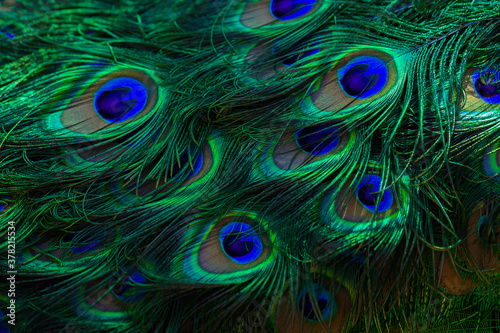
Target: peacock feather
[{"x": 249, "y": 166}]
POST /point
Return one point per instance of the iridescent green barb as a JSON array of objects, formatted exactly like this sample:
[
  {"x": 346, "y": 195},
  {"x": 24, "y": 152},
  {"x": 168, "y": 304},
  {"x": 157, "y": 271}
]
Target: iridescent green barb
[{"x": 249, "y": 166}]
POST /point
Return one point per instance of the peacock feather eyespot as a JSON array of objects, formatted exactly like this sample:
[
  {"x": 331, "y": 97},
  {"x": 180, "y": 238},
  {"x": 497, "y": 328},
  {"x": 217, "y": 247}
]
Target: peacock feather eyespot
[
  {"x": 285, "y": 10},
  {"x": 492, "y": 160},
  {"x": 487, "y": 85},
  {"x": 120, "y": 99},
  {"x": 370, "y": 194},
  {"x": 240, "y": 242},
  {"x": 482, "y": 93},
  {"x": 360, "y": 77},
  {"x": 363, "y": 76},
  {"x": 365, "y": 204},
  {"x": 307, "y": 149},
  {"x": 318, "y": 140},
  {"x": 270, "y": 13},
  {"x": 231, "y": 249},
  {"x": 316, "y": 300},
  {"x": 324, "y": 303},
  {"x": 483, "y": 238},
  {"x": 112, "y": 98}
]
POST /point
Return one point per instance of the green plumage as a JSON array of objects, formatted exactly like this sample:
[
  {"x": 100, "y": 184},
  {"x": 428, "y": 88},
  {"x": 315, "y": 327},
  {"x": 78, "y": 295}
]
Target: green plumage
[{"x": 249, "y": 166}]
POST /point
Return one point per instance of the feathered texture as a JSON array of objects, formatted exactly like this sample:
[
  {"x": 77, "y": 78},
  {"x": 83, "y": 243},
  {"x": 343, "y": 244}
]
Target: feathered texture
[{"x": 250, "y": 166}]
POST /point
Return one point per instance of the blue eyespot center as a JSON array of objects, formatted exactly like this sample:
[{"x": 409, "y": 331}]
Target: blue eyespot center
[
  {"x": 325, "y": 303},
  {"x": 487, "y": 89},
  {"x": 120, "y": 99},
  {"x": 285, "y": 10},
  {"x": 369, "y": 194},
  {"x": 363, "y": 76},
  {"x": 240, "y": 242},
  {"x": 487, "y": 85},
  {"x": 318, "y": 140},
  {"x": 237, "y": 246},
  {"x": 355, "y": 82}
]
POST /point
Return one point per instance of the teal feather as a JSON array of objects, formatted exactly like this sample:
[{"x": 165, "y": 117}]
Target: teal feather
[{"x": 250, "y": 165}]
